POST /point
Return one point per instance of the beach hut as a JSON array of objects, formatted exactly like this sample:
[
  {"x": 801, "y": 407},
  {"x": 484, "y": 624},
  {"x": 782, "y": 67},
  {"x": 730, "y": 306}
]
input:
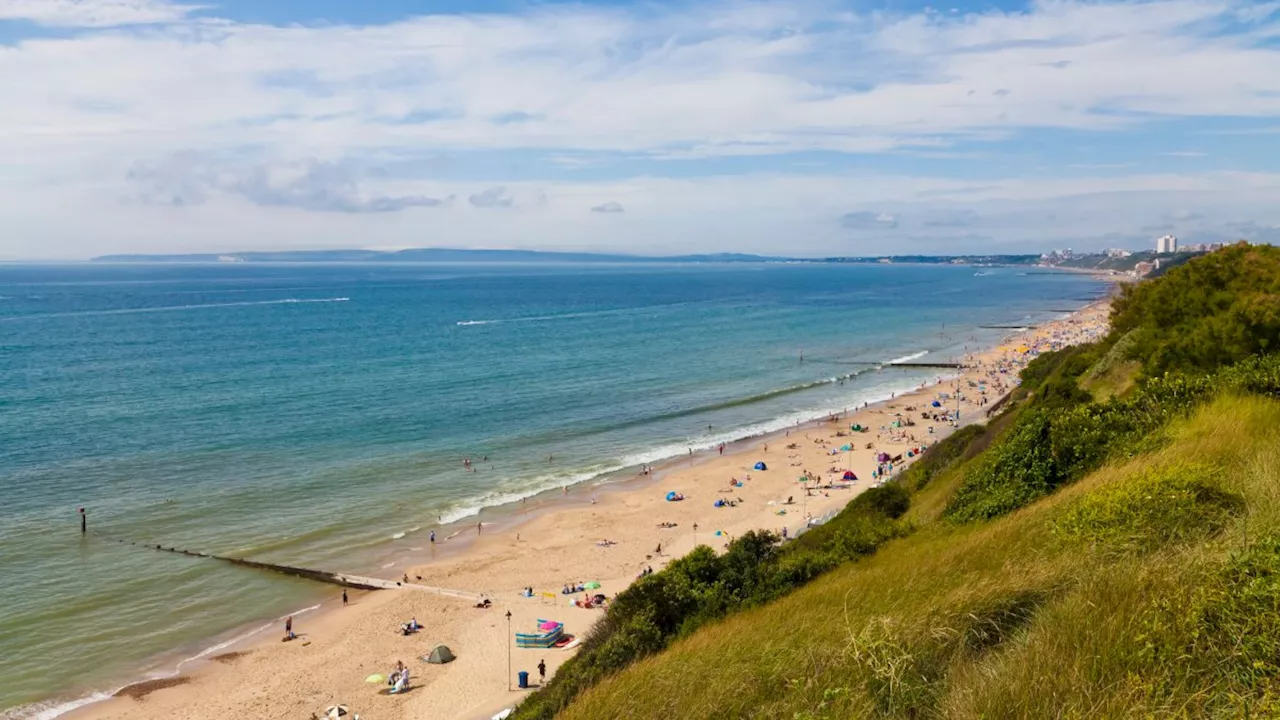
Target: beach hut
[
  {"x": 441, "y": 655},
  {"x": 761, "y": 466}
]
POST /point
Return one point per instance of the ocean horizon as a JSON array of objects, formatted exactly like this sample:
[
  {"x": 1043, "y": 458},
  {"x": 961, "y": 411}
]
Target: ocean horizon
[{"x": 319, "y": 415}]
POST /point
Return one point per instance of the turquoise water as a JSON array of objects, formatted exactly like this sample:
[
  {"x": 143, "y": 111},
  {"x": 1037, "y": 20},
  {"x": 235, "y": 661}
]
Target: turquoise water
[{"x": 318, "y": 415}]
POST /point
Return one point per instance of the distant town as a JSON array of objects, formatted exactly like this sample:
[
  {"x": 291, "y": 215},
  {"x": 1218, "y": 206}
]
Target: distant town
[{"x": 1167, "y": 253}]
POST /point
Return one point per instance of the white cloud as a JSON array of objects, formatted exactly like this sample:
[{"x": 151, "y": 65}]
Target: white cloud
[
  {"x": 205, "y": 118},
  {"x": 494, "y": 197},
  {"x": 94, "y": 13}
]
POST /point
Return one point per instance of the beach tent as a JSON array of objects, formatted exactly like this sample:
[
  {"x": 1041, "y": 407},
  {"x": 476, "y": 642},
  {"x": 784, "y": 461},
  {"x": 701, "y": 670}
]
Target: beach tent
[
  {"x": 544, "y": 638},
  {"x": 846, "y": 448},
  {"x": 937, "y": 404},
  {"x": 593, "y": 585},
  {"x": 441, "y": 655},
  {"x": 761, "y": 466},
  {"x": 848, "y": 475},
  {"x": 882, "y": 457},
  {"x": 671, "y": 496}
]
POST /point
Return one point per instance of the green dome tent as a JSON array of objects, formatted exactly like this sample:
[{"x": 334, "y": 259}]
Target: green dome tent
[{"x": 441, "y": 655}]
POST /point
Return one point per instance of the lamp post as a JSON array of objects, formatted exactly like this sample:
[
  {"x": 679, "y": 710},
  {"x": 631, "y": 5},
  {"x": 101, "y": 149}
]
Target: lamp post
[{"x": 508, "y": 651}]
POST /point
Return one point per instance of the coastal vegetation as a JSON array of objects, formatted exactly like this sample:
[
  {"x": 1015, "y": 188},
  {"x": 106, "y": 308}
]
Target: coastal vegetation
[{"x": 1108, "y": 545}]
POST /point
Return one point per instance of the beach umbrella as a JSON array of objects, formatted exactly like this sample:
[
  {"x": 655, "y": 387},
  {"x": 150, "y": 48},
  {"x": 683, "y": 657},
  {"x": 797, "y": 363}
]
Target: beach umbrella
[
  {"x": 375, "y": 678},
  {"x": 593, "y": 585}
]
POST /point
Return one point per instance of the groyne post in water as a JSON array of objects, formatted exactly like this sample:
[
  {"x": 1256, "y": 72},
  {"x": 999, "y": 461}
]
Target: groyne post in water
[
  {"x": 324, "y": 576},
  {"x": 356, "y": 582}
]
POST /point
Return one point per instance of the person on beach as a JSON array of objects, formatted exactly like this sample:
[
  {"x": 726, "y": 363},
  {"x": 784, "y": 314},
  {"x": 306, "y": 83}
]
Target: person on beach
[
  {"x": 479, "y": 527},
  {"x": 433, "y": 537},
  {"x": 288, "y": 628},
  {"x": 344, "y": 597},
  {"x": 542, "y": 671}
]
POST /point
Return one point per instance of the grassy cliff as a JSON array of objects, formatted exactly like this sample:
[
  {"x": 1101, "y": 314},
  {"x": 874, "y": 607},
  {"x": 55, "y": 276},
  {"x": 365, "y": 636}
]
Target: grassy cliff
[{"x": 1109, "y": 546}]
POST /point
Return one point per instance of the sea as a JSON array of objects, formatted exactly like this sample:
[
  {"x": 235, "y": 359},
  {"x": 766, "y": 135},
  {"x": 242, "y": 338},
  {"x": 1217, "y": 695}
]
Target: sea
[{"x": 319, "y": 415}]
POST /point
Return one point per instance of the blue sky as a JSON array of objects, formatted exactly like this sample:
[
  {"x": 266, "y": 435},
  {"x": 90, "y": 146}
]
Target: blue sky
[{"x": 806, "y": 128}]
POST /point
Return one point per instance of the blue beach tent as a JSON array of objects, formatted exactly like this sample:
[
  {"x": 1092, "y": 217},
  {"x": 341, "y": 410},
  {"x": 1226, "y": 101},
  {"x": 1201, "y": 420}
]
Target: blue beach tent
[{"x": 761, "y": 466}]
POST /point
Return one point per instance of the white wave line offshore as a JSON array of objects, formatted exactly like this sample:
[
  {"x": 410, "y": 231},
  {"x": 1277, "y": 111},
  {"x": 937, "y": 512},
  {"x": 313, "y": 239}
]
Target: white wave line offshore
[
  {"x": 907, "y": 358},
  {"x": 175, "y": 308},
  {"x": 568, "y": 316}
]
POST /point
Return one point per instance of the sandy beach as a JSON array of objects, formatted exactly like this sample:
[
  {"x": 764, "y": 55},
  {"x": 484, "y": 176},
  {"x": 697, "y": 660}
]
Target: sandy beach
[{"x": 558, "y": 541}]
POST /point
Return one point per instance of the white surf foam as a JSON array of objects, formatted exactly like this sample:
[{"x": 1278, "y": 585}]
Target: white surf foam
[{"x": 907, "y": 358}]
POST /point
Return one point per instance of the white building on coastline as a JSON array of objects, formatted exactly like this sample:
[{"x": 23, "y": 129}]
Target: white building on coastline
[{"x": 1166, "y": 244}]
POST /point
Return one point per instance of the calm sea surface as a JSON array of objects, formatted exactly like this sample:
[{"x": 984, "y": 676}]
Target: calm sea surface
[{"x": 318, "y": 415}]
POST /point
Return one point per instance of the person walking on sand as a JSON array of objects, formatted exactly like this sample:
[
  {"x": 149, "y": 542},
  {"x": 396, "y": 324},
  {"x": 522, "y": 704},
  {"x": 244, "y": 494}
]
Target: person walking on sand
[
  {"x": 479, "y": 527},
  {"x": 344, "y": 597},
  {"x": 542, "y": 672},
  {"x": 433, "y": 537}
]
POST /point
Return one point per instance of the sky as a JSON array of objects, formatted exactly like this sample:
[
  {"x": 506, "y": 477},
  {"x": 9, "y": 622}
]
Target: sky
[{"x": 792, "y": 128}]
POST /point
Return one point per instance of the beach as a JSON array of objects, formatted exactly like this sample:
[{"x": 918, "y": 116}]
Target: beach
[{"x": 587, "y": 533}]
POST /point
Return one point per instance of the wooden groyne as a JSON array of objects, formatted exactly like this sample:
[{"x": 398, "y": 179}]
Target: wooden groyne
[
  {"x": 351, "y": 581},
  {"x": 951, "y": 365},
  {"x": 1005, "y": 327},
  {"x": 356, "y": 582}
]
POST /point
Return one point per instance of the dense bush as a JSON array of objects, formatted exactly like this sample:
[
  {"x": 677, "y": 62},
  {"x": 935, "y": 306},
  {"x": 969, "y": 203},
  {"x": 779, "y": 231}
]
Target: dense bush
[
  {"x": 1049, "y": 447},
  {"x": 703, "y": 586},
  {"x": 1215, "y": 310}
]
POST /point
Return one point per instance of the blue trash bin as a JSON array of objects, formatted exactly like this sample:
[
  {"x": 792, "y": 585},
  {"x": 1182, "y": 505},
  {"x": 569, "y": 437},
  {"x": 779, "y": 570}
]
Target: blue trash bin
[{"x": 524, "y": 678}]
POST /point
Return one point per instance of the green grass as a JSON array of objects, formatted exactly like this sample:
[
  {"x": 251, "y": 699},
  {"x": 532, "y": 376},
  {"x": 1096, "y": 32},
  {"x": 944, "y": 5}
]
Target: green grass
[{"x": 1148, "y": 588}]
